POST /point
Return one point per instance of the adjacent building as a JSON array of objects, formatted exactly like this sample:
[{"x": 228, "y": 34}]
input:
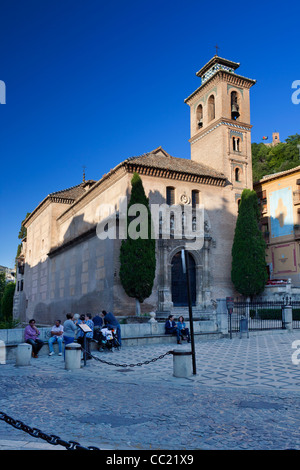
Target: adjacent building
[
  {"x": 279, "y": 196},
  {"x": 10, "y": 273}
]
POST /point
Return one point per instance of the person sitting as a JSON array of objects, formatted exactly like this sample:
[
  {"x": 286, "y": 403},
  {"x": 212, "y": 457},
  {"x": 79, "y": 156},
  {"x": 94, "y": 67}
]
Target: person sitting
[
  {"x": 31, "y": 334},
  {"x": 98, "y": 323},
  {"x": 56, "y": 335},
  {"x": 183, "y": 331},
  {"x": 112, "y": 323},
  {"x": 171, "y": 328},
  {"x": 70, "y": 329}
]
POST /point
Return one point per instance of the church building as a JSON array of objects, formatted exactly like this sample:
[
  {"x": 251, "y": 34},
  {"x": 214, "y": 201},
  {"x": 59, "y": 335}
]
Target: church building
[{"x": 65, "y": 267}]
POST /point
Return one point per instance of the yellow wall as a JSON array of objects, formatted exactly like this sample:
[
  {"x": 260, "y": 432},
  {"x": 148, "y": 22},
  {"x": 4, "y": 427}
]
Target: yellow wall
[{"x": 280, "y": 201}]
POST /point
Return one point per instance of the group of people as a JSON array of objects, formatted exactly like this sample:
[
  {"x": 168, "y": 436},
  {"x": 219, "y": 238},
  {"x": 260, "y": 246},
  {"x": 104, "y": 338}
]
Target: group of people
[
  {"x": 71, "y": 330},
  {"x": 179, "y": 329}
]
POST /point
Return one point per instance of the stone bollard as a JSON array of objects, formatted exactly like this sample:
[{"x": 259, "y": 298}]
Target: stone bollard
[
  {"x": 287, "y": 317},
  {"x": 182, "y": 363},
  {"x": 72, "y": 356},
  {"x": 2, "y": 352},
  {"x": 222, "y": 316},
  {"x": 24, "y": 351}
]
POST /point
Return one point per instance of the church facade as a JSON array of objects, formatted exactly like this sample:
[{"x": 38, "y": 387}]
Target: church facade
[{"x": 65, "y": 267}]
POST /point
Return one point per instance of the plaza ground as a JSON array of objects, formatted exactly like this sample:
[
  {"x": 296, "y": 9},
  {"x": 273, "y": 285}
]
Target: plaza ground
[{"x": 245, "y": 395}]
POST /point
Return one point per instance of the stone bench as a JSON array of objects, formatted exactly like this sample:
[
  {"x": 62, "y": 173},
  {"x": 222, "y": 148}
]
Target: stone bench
[
  {"x": 11, "y": 349},
  {"x": 133, "y": 334}
]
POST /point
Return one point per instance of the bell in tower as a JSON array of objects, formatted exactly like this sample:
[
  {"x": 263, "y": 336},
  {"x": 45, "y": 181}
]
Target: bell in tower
[{"x": 234, "y": 106}]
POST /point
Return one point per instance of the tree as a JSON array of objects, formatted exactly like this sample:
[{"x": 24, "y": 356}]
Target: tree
[
  {"x": 2, "y": 286},
  {"x": 7, "y": 302},
  {"x": 137, "y": 253},
  {"x": 22, "y": 234},
  {"x": 248, "y": 272}
]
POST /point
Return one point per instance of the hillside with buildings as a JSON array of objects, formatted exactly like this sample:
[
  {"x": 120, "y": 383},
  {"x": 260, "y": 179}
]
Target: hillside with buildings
[{"x": 274, "y": 157}]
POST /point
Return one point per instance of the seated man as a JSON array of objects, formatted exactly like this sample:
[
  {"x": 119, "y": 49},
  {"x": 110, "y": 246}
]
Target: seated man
[
  {"x": 31, "y": 334},
  {"x": 57, "y": 332},
  {"x": 171, "y": 328}
]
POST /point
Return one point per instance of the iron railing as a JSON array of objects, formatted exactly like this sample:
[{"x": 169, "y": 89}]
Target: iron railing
[
  {"x": 263, "y": 315},
  {"x": 296, "y": 313}
]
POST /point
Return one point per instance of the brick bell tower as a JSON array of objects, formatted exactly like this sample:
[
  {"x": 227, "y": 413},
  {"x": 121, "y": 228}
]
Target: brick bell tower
[{"x": 220, "y": 121}]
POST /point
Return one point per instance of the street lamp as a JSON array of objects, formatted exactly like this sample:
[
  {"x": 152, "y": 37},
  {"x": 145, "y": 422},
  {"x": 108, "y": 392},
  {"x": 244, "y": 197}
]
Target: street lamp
[
  {"x": 185, "y": 267},
  {"x": 230, "y": 305}
]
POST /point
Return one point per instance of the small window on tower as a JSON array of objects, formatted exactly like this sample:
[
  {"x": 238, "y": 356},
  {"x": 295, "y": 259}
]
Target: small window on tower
[
  {"x": 237, "y": 174},
  {"x": 236, "y": 144}
]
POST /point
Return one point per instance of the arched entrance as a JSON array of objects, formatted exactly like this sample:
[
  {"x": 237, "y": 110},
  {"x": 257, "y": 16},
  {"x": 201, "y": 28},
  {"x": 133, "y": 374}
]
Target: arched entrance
[{"x": 179, "y": 287}]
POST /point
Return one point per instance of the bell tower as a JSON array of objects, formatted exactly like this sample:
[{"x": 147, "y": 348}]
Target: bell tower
[{"x": 220, "y": 126}]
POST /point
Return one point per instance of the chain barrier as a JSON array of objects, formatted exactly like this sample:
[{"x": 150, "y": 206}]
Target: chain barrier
[
  {"x": 129, "y": 365},
  {"x": 51, "y": 439}
]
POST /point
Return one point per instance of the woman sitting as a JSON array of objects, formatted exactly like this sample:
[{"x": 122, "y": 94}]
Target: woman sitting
[{"x": 183, "y": 331}]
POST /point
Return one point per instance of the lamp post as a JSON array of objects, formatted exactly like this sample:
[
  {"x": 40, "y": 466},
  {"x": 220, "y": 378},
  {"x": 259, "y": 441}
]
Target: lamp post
[
  {"x": 230, "y": 305},
  {"x": 185, "y": 267}
]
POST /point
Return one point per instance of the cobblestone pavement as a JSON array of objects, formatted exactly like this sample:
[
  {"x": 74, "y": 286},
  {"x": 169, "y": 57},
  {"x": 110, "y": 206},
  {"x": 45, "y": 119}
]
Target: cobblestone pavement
[{"x": 245, "y": 395}]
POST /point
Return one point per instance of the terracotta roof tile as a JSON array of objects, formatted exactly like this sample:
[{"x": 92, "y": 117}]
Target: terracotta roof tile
[{"x": 183, "y": 165}]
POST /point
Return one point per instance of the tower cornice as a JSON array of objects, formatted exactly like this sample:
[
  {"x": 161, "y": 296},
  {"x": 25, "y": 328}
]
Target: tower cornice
[
  {"x": 220, "y": 122},
  {"x": 222, "y": 75},
  {"x": 217, "y": 60}
]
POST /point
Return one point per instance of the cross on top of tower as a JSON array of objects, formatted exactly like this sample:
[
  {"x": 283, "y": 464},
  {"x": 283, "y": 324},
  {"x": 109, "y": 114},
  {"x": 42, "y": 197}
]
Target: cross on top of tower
[{"x": 217, "y": 48}]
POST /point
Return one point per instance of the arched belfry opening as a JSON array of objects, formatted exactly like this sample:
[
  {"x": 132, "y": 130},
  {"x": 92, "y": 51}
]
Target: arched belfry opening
[
  {"x": 211, "y": 108},
  {"x": 235, "y": 108},
  {"x": 199, "y": 116}
]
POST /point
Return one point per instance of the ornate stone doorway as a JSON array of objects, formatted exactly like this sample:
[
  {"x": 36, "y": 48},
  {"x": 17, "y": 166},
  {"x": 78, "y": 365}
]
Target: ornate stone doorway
[{"x": 178, "y": 282}]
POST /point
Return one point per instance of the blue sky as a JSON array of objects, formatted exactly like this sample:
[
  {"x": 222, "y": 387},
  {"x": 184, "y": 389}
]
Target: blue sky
[{"x": 92, "y": 83}]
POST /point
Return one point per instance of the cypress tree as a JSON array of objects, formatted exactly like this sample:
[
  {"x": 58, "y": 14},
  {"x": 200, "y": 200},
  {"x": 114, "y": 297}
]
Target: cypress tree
[
  {"x": 137, "y": 253},
  {"x": 248, "y": 272}
]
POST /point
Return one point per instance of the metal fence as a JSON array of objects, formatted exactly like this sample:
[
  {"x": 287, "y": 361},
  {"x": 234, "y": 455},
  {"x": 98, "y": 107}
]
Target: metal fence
[
  {"x": 262, "y": 315},
  {"x": 296, "y": 313}
]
